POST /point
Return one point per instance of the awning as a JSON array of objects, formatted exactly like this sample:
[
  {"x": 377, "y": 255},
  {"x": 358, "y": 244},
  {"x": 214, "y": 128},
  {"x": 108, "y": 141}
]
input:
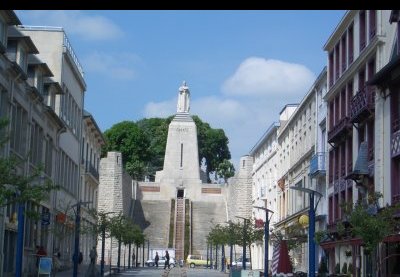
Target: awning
[{"x": 280, "y": 261}]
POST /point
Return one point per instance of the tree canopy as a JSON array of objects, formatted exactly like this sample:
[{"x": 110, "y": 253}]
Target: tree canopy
[
  {"x": 16, "y": 188},
  {"x": 143, "y": 143},
  {"x": 127, "y": 138}
]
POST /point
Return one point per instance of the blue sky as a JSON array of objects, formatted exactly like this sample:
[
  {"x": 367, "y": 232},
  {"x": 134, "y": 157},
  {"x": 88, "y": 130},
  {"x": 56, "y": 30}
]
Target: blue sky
[{"x": 241, "y": 66}]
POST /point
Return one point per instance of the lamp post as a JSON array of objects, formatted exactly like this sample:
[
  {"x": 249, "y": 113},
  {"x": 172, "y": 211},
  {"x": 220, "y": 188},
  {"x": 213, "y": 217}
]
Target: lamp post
[
  {"x": 244, "y": 242},
  {"x": 311, "y": 227},
  {"x": 77, "y": 230},
  {"x": 266, "y": 237}
]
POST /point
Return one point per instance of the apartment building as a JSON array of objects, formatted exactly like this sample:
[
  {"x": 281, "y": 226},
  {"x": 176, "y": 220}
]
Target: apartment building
[
  {"x": 92, "y": 141},
  {"x": 361, "y": 44},
  {"x": 264, "y": 187}
]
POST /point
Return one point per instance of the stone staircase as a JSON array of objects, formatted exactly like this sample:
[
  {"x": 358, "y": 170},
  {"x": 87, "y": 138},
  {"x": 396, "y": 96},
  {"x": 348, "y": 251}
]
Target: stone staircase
[
  {"x": 205, "y": 215},
  {"x": 153, "y": 216},
  {"x": 179, "y": 228}
]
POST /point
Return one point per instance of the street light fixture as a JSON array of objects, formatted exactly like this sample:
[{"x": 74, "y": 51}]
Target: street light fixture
[
  {"x": 311, "y": 227},
  {"x": 244, "y": 242},
  {"x": 77, "y": 230},
  {"x": 266, "y": 237}
]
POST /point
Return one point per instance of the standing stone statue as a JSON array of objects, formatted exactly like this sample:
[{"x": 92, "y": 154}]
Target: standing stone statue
[{"x": 183, "y": 99}]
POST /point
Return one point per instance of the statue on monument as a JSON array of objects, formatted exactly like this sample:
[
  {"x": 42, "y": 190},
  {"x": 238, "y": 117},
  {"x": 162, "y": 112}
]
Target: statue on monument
[{"x": 183, "y": 99}]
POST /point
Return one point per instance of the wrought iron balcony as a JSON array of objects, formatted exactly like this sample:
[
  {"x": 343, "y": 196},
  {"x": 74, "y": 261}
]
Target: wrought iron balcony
[
  {"x": 317, "y": 165},
  {"x": 340, "y": 129},
  {"x": 395, "y": 144},
  {"x": 362, "y": 105},
  {"x": 93, "y": 171}
]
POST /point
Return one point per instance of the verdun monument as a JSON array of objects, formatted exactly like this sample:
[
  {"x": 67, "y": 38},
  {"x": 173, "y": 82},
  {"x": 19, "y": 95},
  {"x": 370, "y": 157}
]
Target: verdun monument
[{"x": 179, "y": 208}]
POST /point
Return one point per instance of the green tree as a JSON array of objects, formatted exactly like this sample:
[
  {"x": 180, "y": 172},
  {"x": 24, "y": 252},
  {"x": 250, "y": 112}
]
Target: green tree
[
  {"x": 156, "y": 129},
  {"x": 213, "y": 145},
  {"x": 127, "y": 138},
  {"x": 16, "y": 188},
  {"x": 225, "y": 170}
]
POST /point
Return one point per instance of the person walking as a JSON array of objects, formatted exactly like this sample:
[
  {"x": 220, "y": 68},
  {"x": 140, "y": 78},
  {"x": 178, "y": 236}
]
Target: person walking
[
  {"x": 133, "y": 259},
  {"x": 93, "y": 255},
  {"x": 166, "y": 260},
  {"x": 156, "y": 259}
]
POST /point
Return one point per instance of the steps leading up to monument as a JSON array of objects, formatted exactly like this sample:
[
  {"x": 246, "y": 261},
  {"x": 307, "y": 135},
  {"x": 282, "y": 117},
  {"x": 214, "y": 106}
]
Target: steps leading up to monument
[
  {"x": 205, "y": 215},
  {"x": 183, "y": 117},
  {"x": 158, "y": 212},
  {"x": 179, "y": 228}
]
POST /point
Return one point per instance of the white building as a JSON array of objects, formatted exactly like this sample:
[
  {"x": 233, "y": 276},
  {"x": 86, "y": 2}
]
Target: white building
[{"x": 264, "y": 187}]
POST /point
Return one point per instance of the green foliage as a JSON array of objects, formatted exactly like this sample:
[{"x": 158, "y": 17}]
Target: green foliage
[
  {"x": 319, "y": 236},
  {"x": 16, "y": 188},
  {"x": 233, "y": 233},
  {"x": 323, "y": 268},
  {"x": 337, "y": 268},
  {"x": 156, "y": 130},
  {"x": 171, "y": 225},
  {"x": 225, "y": 170},
  {"x": 143, "y": 143},
  {"x": 295, "y": 235},
  {"x": 344, "y": 268},
  {"x": 187, "y": 229},
  {"x": 127, "y": 138},
  {"x": 213, "y": 145},
  {"x": 350, "y": 269},
  {"x": 372, "y": 228}
]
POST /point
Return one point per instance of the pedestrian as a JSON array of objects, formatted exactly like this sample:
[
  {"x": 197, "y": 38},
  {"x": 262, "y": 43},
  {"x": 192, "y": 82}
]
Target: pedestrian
[
  {"x": 80, "y": 258},
  {"x": 156, "y": 259},
  {"x": 93, "y": 255},
  {"x": 166, "y": 260},
  {"x": 133, "y": 259}
]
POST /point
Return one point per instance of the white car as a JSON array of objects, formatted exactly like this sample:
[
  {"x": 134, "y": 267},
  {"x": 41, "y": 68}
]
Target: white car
[
  {"x": 239, "y": 263},
  {"x": 161, "y": 262}
]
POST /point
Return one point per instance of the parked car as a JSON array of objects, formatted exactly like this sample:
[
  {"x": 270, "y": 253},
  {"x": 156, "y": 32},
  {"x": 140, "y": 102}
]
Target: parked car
[
  {"x": 195, "y": 260},
  {"x": 161, "y": 262},
  {"x": 239, "y": 263}
]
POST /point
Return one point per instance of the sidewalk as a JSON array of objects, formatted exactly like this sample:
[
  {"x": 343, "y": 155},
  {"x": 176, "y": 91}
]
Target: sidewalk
[{"x": 82, "y": 269}]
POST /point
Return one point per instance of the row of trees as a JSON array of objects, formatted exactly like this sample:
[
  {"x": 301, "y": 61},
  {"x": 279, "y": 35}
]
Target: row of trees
[
  {"x": 143, "y": 143},
  {"x": 234, "y": 233},
  {"x": 119, "y": 227}
]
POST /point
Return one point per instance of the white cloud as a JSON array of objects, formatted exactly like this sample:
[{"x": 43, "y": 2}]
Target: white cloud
[
  {"x": 258, "y": 76},
  {"x": 161, "y": 109},
  {"x": 114, "y": 65},
  {"x": 83, "y": 24},
  {"x": 250, "y": 101}
]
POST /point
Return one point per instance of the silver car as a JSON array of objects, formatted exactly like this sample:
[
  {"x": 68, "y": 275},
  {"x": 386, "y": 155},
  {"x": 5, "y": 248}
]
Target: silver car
[{"x": 161, "y": 262}]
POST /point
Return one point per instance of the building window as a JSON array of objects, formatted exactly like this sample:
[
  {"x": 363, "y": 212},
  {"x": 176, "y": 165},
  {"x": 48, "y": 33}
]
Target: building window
[
  {"x": 22, "y": 57},
  {"x": 337, "y": 62},
  {"x": 351, "y": 44},
  {"x": 362, "y": 30},
  {"x": 331, "y": 69},
  {"x": 372, "y": 24},
  {"x": 344, "y": 54}
]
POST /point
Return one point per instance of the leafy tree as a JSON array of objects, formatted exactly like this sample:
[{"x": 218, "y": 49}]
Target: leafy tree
[
  {"x": 156, "y": 129},
  {"x": 225, "y": 170},
  {"x": 127, "y": 138},
  {"x": 16, "y": 188},
  {"x": 213, "y": 145},
  {"x": 143, "y": 143}
]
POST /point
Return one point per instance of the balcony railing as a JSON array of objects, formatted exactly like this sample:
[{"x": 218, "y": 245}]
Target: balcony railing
[
  {"x": 395, "y": 144},
  {"x": 362, "y": 105},
  {"x": 339, "y": 129},
  {"x": 317, "y": 164},
  {"x": 93, "y": 171}
]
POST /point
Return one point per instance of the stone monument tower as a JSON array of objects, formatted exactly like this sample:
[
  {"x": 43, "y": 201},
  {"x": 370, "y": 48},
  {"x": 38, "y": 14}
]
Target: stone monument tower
[{"x": 181, "y": 162}]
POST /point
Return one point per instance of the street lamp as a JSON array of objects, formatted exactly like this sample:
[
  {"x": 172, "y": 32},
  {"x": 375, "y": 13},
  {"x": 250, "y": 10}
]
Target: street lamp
[
  {"x": 311, "y": 227},
  {"x": 244, "y": 242},
  {"x": 77, "y": 230},
  {"x": 266, "y": 237}
]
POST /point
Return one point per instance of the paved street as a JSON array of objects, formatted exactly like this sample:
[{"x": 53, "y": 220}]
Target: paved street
[{"x": 151, "y": 271}]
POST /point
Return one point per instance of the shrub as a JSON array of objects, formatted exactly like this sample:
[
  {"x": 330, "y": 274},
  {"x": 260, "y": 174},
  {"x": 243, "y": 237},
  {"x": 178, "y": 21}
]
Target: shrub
[{"x": 344, "y": 268}]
